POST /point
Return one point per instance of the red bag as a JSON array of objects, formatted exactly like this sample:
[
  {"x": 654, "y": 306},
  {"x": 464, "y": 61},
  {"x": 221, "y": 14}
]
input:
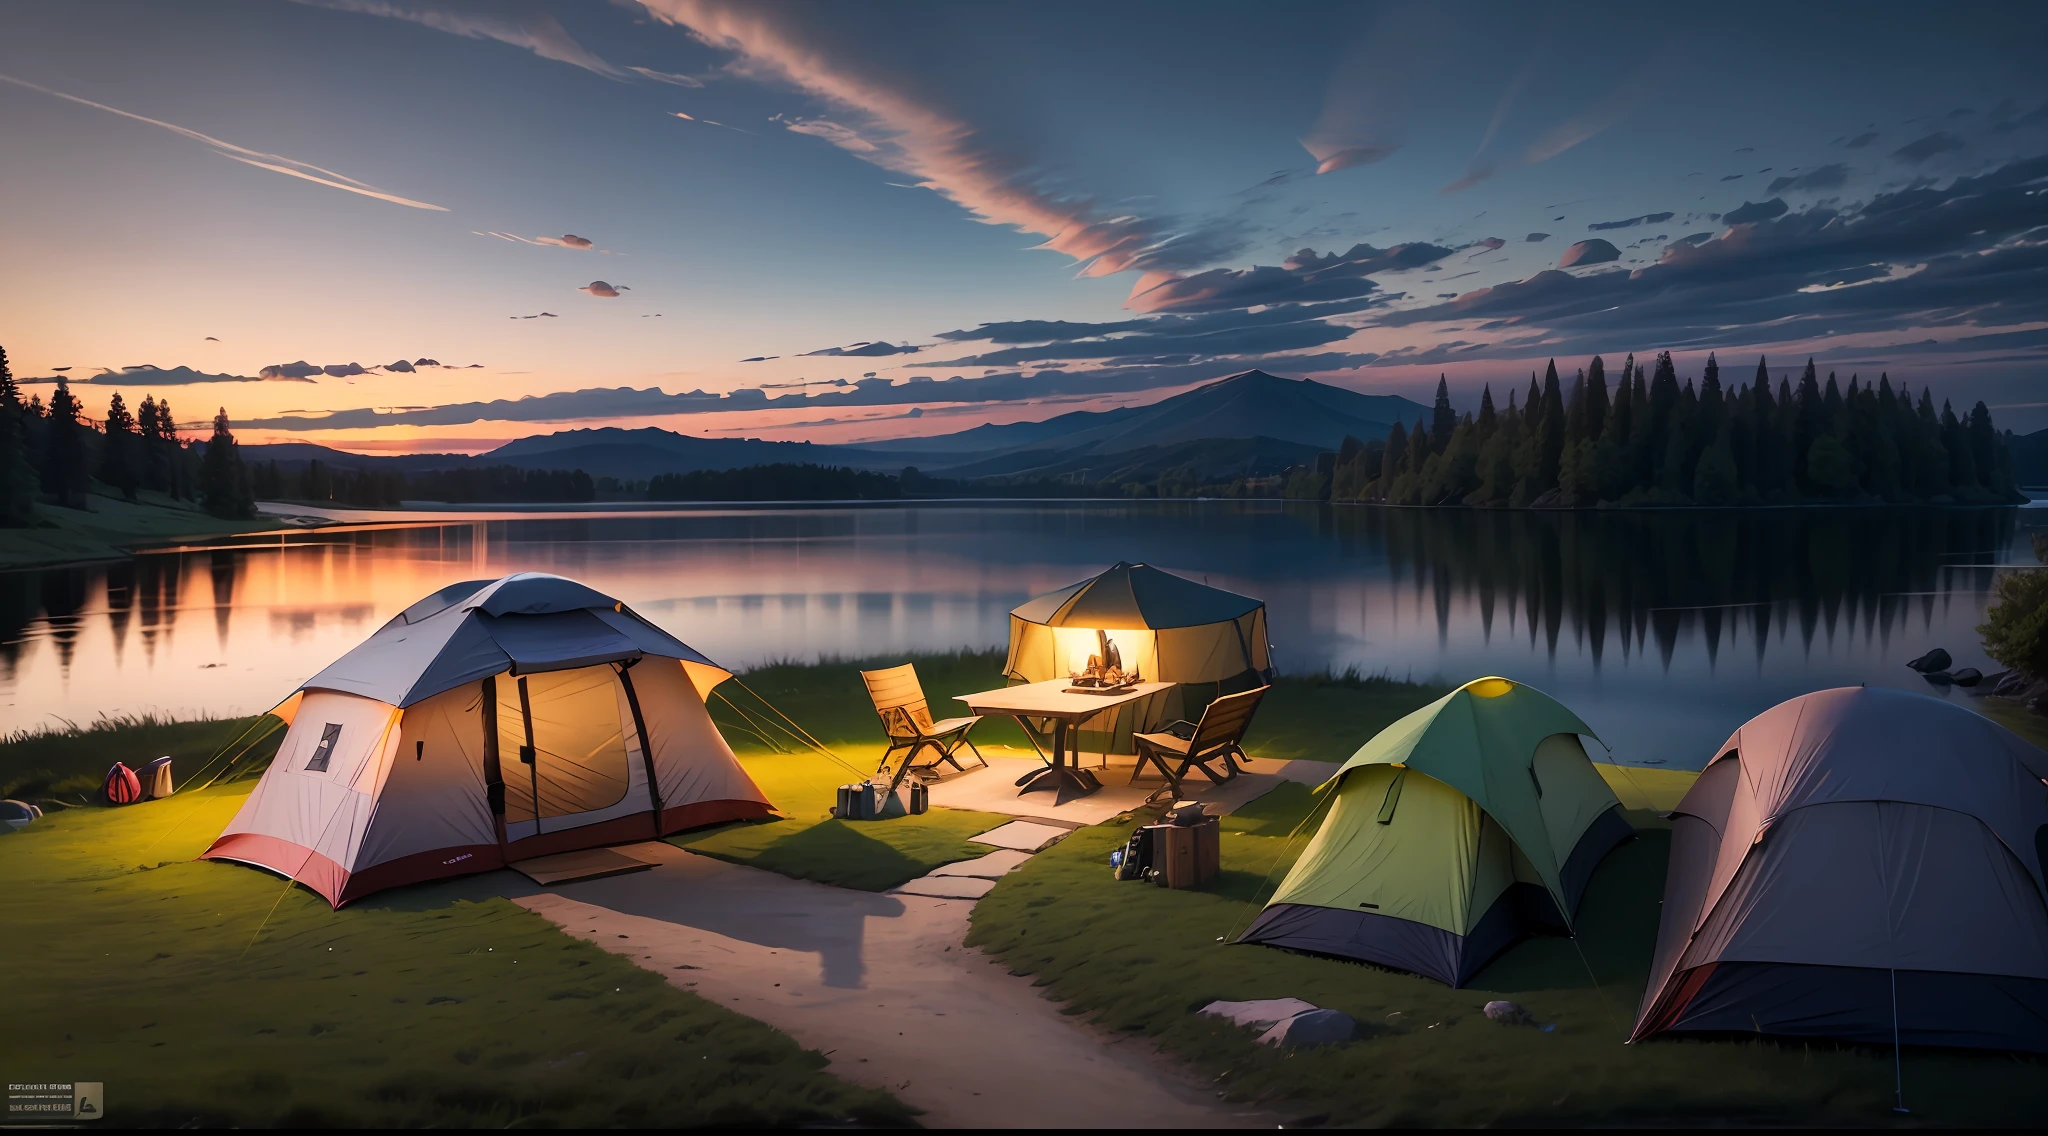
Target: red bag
[{"x": 122, "y": 787}]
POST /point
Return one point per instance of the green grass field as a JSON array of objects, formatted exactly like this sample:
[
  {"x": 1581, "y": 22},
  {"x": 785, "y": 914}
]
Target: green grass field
[
  {"x": 112, "y": 526},
  {"x": 1132, "y": 957},
  {"x": 216, "y": 995}
]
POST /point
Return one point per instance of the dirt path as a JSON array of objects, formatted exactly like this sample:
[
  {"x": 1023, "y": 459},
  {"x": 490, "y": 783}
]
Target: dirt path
[{"x": 881, "y": 984}]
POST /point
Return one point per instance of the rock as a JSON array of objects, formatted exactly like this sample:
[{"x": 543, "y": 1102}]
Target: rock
[
  {"x": 1315, "y": 1027},
  {"x": 1939, "y": 678},
  {"x": 1968, "y": 676},
  {"x": 1509, "y": 1014},
  {"x": 2010, "y": 683},
  {"x": 18, "y": 814},
  {"x": 1935, "y": 660},
  {"x": 1260, "y": 1014}
]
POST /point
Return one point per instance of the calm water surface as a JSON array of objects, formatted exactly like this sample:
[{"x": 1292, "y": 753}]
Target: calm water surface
[{"x": 1665, "y": 631}]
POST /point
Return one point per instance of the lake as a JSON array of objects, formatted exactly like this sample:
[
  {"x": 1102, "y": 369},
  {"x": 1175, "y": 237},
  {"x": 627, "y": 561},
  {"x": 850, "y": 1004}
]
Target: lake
[{"x": 1664, "y": 630}]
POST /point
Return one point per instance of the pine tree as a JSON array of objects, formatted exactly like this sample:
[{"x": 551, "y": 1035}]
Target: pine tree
[
  {"x": 118, "y": 465},
  {"x": 17, "y": 475},
  {"x": 1596, "y": 398},
  {"x": 224, "y": 482},
  {"x": 1395, "y": 463},
  {"x": 1489, "y": 419},
  {"x": 64, "y": 474},
  {"x": 1443, "y": 419}
]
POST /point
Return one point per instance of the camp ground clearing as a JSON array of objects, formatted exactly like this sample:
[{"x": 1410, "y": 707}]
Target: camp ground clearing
[{"x": 231, "y": 997}]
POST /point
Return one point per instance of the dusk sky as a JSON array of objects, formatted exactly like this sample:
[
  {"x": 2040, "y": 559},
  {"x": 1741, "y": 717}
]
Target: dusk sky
[{"x": 856, "y": 220}]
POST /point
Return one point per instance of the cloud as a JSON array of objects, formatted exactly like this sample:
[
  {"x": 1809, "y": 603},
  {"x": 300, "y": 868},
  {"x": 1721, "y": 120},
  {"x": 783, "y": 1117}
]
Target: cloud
[
  {"x": 1490, "y": 244},
  {"x": 566, "y": 240},
  {"x": 276, "y": 163},
  {"x": 148, "y": 375},
  {"x": 759, "y": 358},
  {"x": 1921, "y": 149},
  {"x": 1534, "y": 238},
  {"x": 1344, "y": 159},
  {"x": 1952, "y": 264},
  {"x": 1759, "y": 211},
  {"x": 668, "y": 77},
  {"x": 1631, "y": 222},
  {"x": 876, "y": 118},
  {"x": 1862, "y": 140},
  {"x": 426, "y": 362},
  {"x": 1592, "y": 251},
  {"x": 520, "y": 25},
  {"x": 301, "y": 370},
  {"x": 1305, "y": 277},
  {"x": 213, "y": 339},
  {"x": 402, "y": 367},
  {"x": 343, "y": 370},
  {"x": 601, "y": 289},
  {"x": 866, "y": 349},
  {"x": 1825, "y": 177}
]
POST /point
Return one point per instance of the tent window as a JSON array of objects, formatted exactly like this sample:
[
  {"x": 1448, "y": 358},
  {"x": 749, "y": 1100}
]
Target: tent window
[
  {"x": 330, "y": 735},
  {"x": 1393, "y": 797}
]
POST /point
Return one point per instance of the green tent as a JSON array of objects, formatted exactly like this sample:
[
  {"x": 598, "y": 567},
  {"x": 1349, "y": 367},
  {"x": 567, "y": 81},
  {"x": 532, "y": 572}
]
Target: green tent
[{"x": 1456, "y": 831}]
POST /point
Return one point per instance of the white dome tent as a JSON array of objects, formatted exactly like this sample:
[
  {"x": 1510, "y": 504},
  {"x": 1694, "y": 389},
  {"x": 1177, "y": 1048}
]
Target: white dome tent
[{"x": 493, "y": 721}]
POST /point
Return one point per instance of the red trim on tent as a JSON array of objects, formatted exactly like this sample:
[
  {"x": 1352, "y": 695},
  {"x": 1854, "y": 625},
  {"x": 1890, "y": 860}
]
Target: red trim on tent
[
  {"x": 437, "y": 864},
  {"x": 339, "y": 886},
  {"x": 1672, "y": 1005},
  {"x": 303, "y": 865},
  {"x": 697, "y": 814}
]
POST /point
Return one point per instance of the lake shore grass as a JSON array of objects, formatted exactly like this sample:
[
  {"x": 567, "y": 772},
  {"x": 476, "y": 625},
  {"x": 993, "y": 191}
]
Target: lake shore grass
[
  {"x": 113, "y": 527},
  {"x": 218, "y": 995}
]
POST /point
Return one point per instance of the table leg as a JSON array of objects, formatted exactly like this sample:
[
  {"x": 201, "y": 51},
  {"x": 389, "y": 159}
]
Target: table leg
[{"x": 1066, "y": 779}]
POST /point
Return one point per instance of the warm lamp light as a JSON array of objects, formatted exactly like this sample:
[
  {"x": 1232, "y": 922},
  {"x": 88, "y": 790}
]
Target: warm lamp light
[{"x": 1489, "y": 687}]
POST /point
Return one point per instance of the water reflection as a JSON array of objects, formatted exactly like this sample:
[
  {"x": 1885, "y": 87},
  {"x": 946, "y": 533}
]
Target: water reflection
[{"x": 1664, "y": 630}]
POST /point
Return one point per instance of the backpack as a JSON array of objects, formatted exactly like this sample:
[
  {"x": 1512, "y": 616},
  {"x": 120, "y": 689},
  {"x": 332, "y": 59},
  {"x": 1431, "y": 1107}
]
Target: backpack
[{"x": 122, "y": 786}]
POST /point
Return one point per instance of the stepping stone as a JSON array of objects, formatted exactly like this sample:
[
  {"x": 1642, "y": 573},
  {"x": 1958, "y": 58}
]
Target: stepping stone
[
  {"x": 946, "y": 887},
  {"x": 993, "y": 866},
  {"x": 1021, "y": 835}
]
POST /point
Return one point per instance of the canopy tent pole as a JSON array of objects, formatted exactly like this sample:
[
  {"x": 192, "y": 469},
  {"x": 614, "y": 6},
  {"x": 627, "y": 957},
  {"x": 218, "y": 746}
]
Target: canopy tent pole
[
  {"x": 646, "y": 747},
  {"x": 528, "y": 754},
  {"x": 1898, "y": 1066}
]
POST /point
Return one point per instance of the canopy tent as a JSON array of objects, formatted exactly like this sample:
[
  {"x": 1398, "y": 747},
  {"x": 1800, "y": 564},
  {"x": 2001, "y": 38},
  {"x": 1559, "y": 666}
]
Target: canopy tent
[
  {"x": 492, "y": 721},
  {"x": 1168, "y": 628},
  {"x": 1862, "y": 864},
  {"x": 1452, "y": 833}
]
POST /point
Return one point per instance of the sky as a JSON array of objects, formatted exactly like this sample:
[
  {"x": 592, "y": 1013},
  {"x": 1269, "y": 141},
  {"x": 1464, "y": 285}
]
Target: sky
[{"x": 437, "y": 225}]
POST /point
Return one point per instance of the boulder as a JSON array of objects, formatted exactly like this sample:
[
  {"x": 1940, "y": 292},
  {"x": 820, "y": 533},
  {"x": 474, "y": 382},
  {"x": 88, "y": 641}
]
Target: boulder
[
  {"x": 1509, "y": 1013},
  {"x": 1968, "y": 676},
  {"x": 1939, "y": 678},
  {"x": 1262, "y": 1013},
  {"x": 1935, "y": 660},
  {"x": 1315, "y": 1027}
]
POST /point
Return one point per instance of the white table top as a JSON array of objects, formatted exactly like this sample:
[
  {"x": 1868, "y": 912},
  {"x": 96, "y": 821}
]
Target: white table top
[{"x": 1051, "y": 700}]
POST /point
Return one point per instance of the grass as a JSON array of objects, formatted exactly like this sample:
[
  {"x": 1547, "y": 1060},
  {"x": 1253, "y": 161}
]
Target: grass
[
  {"x": 111, "y": 527},
  {"x": 216, "y": 995},
  {"x": 66, "y": 764},
  {"x": 1139, "y": 959},
  {"x": 1322, "y": 716}
]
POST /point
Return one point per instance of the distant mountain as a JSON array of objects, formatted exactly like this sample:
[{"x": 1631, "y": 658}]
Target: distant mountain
[
  {"x": 1250, "y": 405},
  {"x": 1277, "y": 420}
]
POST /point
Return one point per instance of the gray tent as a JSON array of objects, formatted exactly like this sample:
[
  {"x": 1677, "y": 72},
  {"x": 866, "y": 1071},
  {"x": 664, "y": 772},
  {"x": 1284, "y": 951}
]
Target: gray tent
[
  {"x": 1860, "y": 864},
  {"x": 493, "y": 721}
]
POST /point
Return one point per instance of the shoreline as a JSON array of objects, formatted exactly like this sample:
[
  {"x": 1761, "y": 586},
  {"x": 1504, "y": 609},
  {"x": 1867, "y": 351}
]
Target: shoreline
[{"x": 115, "y": 528}]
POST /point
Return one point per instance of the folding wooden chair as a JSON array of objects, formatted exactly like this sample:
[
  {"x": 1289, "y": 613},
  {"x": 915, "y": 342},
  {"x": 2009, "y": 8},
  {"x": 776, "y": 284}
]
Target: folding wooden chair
[
  {"x": 1218, "y": 737},
  {"x": 907, "y": 720}
]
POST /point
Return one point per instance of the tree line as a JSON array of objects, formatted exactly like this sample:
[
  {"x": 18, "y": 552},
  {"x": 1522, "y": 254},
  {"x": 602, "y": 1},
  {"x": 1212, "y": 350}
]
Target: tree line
[
  {"x": 322, "y": 483},
  {"x": 1654, "y": 441},
  {"x": 55, "y": 455}
]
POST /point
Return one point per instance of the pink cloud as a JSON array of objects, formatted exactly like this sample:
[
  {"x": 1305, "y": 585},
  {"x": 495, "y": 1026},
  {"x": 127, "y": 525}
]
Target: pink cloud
[{"x": 887, "y": 127}]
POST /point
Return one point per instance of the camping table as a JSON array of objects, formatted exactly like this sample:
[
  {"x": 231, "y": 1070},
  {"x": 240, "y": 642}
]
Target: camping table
[{"x": 1051, "y": 701}]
